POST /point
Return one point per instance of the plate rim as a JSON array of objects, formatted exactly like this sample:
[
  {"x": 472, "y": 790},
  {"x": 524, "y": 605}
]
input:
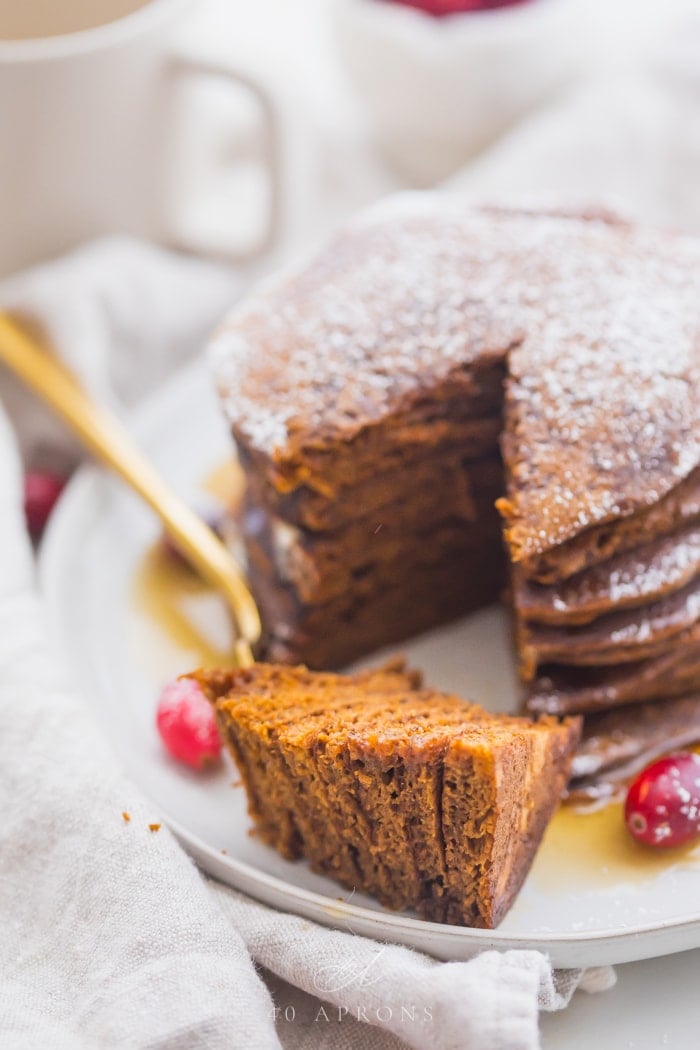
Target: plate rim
[{"x": 611, "y": 945}]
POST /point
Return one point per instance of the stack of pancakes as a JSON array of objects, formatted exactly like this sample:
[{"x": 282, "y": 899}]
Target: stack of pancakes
[
  {"x": 435, "y": 357},
  {"x": 626, "y": 627}
]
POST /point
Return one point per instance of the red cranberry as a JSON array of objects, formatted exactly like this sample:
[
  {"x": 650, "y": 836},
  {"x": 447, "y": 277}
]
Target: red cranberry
[
  {"x": 186, "y": 723},
  {"x": 439, "y": 8},
  {"x": 663, "y": 803},
  {"x": 41, "y": 491}
]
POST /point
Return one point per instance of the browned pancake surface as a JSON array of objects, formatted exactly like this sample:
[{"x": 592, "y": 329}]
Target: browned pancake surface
[{"x": 600, "y": 324}]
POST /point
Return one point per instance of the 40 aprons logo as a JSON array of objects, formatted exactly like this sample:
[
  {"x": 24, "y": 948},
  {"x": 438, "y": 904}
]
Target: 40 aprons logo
[
  {"x": 340, "y": 974},
  {"x": 376, "y": 1015},
  {"x": 403, "y": 1014},
  {"x": 354, "y": 982}
]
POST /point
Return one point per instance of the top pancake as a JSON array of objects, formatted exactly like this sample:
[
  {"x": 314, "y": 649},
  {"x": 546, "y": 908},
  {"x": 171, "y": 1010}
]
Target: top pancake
[{"x": 600, "y": 325}]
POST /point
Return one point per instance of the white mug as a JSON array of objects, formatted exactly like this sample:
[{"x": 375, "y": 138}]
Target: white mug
[{"x": 89, "y": 116}]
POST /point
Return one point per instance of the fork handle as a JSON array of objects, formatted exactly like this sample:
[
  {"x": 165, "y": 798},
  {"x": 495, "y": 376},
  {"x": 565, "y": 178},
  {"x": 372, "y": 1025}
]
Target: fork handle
[{"x": 106, "y": 438}]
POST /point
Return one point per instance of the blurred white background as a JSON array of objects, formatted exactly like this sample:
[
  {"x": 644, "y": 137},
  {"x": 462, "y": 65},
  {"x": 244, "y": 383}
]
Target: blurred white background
[
  {"x": 578, "y": 98},
  {"x": 625, "y": 125}
]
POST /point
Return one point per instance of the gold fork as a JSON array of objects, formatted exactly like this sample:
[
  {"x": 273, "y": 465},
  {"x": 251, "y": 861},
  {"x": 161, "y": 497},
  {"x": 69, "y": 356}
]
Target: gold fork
[{"x": 105, "y": 437}]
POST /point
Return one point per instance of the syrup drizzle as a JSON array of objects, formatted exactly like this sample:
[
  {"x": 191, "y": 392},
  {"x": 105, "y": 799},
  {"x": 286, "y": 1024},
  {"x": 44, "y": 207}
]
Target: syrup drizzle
[
  {"x": 179, "y": 622},
  {"x": 590, "y": 848}
]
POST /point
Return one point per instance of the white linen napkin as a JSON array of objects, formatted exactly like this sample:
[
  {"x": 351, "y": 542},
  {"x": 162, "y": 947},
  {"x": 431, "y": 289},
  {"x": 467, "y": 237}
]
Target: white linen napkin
[
  {"x": 110, "y": 937},
  {"x": 629, "y": 138}
]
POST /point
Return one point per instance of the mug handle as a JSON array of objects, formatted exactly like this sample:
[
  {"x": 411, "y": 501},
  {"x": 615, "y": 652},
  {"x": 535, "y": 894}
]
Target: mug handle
[{"x": 186, "y": 65}]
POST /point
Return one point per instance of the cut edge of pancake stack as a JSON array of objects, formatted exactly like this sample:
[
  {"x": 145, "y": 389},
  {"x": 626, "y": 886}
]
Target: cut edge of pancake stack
[{"x": 372, "y": 554}]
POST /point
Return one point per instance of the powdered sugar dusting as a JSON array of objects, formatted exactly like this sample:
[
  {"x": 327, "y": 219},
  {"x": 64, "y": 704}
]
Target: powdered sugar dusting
[{"x": 600, "y": 324}]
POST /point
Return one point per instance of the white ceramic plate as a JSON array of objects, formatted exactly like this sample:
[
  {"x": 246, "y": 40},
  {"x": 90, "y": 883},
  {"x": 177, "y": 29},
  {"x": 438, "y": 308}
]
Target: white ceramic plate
[{"x": 591, "y": 897}]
